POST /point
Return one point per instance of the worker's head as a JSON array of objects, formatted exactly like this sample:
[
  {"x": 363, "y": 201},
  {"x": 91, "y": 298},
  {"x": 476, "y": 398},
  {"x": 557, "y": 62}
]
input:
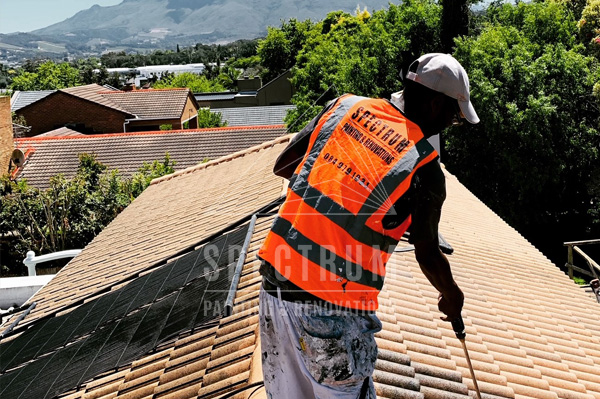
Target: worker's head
[{"x": 436, "y": 93}]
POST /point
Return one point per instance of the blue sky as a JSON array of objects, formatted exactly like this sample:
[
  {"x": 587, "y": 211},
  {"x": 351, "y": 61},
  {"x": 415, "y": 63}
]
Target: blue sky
[{"x": 28, "y": 15}]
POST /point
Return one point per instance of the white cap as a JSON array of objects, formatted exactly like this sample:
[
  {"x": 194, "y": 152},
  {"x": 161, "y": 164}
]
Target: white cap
[{"x": 442, "y": 73}]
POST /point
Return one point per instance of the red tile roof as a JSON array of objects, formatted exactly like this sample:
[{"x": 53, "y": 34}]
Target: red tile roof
[
  {"x": 60, "y": 132},
  {"x": 140, "y": 104},
  {"x": 151, "y": 104},
  {"x": 128, "y": 151},
  {"x": 531, "y": 332},
  {"x": 94, "y": 93}
]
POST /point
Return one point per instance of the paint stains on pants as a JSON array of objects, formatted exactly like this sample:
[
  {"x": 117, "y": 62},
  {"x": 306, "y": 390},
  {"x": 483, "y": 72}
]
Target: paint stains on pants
[{"x": 309, "y": 351}]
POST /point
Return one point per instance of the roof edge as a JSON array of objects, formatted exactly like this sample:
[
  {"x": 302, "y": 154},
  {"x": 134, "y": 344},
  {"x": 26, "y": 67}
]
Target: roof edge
[
  {"x": 144, "y": 90},
  {"x": 224, "y": 159},
  {"x": 148, "y": 133}
]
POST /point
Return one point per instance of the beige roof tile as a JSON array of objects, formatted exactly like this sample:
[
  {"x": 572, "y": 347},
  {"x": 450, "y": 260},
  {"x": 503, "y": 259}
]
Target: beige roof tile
[{"x": 525, "y": 341}]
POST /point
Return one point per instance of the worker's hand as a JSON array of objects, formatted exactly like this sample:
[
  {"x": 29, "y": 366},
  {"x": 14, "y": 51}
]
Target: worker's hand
[{"x": 451, "y": 303}]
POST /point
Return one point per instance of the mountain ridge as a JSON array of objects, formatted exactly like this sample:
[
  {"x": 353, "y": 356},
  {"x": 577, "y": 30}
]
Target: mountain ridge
[
  {"x": 143, "y": 25},
  {"x": 147, "y": 21}
]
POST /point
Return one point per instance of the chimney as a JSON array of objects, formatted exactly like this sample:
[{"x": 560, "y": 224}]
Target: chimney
[
  {"x": 6, "y": 134},
  {"x": 129, "y": 85}
]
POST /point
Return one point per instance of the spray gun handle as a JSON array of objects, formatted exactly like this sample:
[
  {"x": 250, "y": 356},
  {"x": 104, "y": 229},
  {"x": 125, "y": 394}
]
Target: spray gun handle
[{"x": 459, "y": 327}]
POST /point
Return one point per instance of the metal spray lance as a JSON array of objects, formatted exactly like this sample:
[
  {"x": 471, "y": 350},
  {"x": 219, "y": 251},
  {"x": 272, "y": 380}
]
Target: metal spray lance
[{"x": 459, "y": 329}]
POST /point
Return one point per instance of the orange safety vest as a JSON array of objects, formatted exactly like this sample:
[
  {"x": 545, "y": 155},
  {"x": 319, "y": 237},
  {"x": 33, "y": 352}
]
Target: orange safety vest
[{"x": 328, "y": 237}]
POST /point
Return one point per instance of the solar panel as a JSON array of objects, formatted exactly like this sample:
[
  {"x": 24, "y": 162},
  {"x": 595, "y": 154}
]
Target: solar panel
[
  {"x": 57, "y": 354},
  {"x": 186, "y": 305}
]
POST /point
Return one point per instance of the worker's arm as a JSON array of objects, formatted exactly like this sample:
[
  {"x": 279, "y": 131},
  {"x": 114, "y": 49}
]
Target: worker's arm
[
  {"x": 429, "y": 193},
  {"x": 436, "y": 268},
  {"x": 292, "y": 155}
]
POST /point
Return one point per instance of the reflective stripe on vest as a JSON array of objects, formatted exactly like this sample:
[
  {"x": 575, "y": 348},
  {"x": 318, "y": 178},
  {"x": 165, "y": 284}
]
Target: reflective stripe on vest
[{"x": 328, "y": 237}]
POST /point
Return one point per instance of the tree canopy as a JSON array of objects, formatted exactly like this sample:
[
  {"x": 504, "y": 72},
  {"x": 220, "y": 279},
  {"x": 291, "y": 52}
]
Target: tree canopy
[
  {"x": 534, "y": 156},
  {"x": 361, "y": 53},
  {"x": 47, "y": 76},
  {"x": 535, "y": 83},
  {"x": 196, "y": 83}
]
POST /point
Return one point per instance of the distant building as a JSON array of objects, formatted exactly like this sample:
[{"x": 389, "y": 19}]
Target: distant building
[
  {"x": 94, "y": 109},
  {"x": 251, "y": 93},
  {"x": 144, "y": 73}
]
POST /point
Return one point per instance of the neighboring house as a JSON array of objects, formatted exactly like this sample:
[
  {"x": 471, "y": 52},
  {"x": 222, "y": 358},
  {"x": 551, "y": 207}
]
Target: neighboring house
[
  {"x": 93, "y": 109},
  {"x": 251, "y": 93},
  {"x": 254, "y": 116},
  {"x": 140, "y": 312},
  {"x": 48, "y": 156}
]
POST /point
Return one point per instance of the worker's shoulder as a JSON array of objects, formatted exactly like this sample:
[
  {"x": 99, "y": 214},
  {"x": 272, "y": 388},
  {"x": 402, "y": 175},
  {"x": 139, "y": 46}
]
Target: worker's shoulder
[{"x": 431, "y": 172}]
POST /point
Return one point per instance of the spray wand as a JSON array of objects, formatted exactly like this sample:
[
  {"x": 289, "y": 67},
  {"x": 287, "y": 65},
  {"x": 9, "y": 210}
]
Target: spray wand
[{"x": 459, "y": 329}]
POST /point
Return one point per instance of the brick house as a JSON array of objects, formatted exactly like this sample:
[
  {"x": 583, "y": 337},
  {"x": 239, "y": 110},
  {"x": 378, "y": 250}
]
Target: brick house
[{"x": 93, "y": 109}]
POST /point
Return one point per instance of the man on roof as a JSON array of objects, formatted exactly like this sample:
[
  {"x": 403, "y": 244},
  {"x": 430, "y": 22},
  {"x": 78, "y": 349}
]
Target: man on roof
[{"x": 360, "y": 174}]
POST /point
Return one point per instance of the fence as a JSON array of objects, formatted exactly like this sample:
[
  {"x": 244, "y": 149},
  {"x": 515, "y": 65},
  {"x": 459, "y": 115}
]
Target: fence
[{"x": 573, "y": 247}]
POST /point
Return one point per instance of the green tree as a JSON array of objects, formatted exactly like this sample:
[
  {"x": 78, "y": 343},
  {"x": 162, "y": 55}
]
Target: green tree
[
  {"x": 279, "y": 49},
  {"x": 208, "y": 119},
  {"x": 361, "y": 54},
  {"x": 196, "y": 83},
  {"x": 533, "y": 156},
  {"x": 145, "y": 174},
  {"x": 47, "y": 76},
  {"x": 70, "y": 213},
  {"x": 275, "y": 52}
]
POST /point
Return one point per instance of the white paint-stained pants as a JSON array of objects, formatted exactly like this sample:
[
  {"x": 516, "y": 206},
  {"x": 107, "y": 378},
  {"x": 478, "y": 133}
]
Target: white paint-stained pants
[{"x": 309, "y": 351}]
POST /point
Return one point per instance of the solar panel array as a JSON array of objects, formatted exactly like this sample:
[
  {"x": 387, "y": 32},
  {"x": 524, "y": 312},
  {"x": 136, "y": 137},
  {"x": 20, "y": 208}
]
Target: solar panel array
[{"x": 59, "y": 353}]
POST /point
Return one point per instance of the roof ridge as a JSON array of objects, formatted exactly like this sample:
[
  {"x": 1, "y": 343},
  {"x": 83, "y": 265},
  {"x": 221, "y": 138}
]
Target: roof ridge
[
  {"x": 147, "y": 133},
  {"x": 144, "y": 90},
  {"x": 75, "y": 91},
  {"x": 224, "y": 159}
]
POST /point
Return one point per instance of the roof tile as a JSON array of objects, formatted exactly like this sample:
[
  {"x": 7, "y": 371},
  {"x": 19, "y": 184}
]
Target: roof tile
[
  {"x": 396, "y": 380},
  {"x": 150, "y": 104},
  {"x": 524, "y": 342},
  {"x": 127, "y": 152}
]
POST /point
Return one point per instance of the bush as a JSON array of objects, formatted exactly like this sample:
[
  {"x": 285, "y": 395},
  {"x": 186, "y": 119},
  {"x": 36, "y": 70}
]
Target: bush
[
  {"x": 70, "y": 213},
  {"x": 207, "y": 119}
]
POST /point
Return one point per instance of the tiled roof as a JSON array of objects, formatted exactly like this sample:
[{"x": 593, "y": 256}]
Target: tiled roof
[
  {"x": 141, "y": 104},
  {"x": 531, "y": 332},
  {"x": 254, "y": 116},
  {"x": 128, "y": 151},
  {"x": 95, "y": 93},
  {"x": 21, "y": 99},
  {"x": 151, "y": 104},
  {"x": 175, "y": 212},
  {"x": 60, "y": 132}
]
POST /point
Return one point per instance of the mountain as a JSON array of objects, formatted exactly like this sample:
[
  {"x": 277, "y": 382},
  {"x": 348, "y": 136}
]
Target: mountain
[{"x": 147, "y": 24}]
